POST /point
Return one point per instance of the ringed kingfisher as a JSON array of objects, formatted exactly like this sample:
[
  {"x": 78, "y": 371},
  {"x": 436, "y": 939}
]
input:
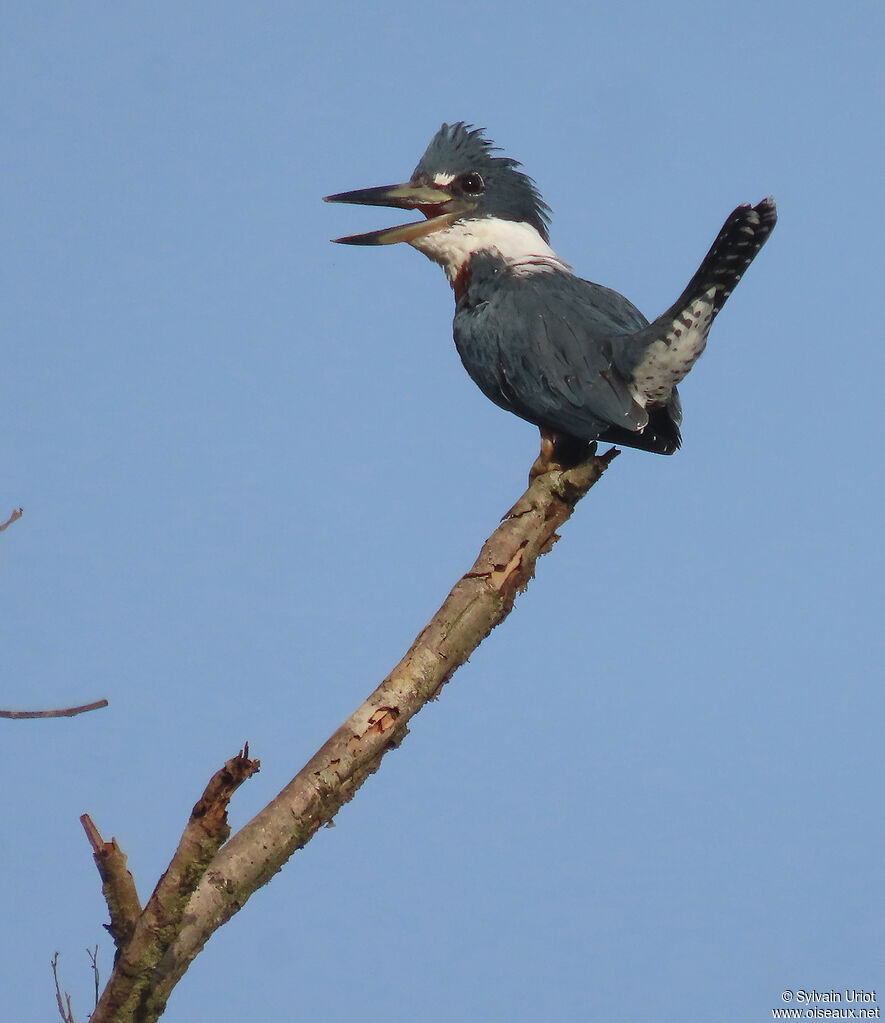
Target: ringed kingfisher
[{"x": 575, "y": 358}]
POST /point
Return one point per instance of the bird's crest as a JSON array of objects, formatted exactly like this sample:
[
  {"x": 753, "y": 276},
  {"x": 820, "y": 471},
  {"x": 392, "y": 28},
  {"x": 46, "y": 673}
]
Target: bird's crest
[{"x": 460, "y": 149}]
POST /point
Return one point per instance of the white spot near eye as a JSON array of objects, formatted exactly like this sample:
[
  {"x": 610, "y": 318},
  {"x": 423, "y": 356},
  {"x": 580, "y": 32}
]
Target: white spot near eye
[{"x": 443, "y": 179}]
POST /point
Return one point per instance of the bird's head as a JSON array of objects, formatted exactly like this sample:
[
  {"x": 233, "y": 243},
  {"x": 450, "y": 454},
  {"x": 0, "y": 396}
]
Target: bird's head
[{"x": 458, "y": 181}]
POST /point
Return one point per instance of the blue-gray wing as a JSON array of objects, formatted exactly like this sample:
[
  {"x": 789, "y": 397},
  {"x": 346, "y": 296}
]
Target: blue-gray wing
[{"x": 539, "y": 343}]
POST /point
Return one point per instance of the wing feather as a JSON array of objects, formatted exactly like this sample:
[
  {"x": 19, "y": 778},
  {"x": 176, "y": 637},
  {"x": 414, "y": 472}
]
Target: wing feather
[{"x": 541, "y": 345}]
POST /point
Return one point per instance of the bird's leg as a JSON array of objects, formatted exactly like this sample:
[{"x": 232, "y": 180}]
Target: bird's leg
[
  {"x": 544, "y": 462},
  {"x": 559, "y": 451}
]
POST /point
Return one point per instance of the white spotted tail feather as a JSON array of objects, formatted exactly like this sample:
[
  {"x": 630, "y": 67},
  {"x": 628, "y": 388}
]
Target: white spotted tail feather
[{"x": 660, "y": 355}]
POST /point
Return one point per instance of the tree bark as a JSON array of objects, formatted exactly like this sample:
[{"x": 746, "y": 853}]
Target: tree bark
[{"x": 146, "y": 973}]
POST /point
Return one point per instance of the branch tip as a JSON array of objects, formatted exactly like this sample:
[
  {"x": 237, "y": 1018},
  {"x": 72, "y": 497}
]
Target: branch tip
[
  {"x": 14, "y": 517},
  {"x": 92, "y": 834}
]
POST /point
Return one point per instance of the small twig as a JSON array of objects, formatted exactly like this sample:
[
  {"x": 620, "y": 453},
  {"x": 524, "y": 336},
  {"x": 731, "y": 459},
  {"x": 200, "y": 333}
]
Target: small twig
[
  {"x": 64, "y": 1003},
  {"x": 93, "y": 959},
  {"x": 16, "y": 514},
  {"x": 62, "y": 712}
]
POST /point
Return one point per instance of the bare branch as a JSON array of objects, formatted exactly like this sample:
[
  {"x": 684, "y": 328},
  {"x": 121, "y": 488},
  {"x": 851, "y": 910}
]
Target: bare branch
[
  {"x": 481, "y": 600},
  {"x": 14, "y": 517},
  {"x": 141, "y": 945},
  {"x": 207, "y": 882},
  {"x": 117, "y": 884},
  {"x": 65, "y": 712}
]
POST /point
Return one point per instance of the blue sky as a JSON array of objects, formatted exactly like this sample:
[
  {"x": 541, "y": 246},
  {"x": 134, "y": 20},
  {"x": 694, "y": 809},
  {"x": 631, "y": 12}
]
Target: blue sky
[{"x": 252, "y": 465}]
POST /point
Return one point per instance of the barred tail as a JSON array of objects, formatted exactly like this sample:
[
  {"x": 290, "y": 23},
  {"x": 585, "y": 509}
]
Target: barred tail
[
  {"x": 743, "y": 234},
  {"x": 657, "y": 357}
]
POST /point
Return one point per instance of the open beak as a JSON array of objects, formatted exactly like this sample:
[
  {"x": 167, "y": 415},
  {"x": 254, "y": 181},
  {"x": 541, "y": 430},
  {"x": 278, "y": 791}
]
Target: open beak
[{"x": 437, "y": 204}]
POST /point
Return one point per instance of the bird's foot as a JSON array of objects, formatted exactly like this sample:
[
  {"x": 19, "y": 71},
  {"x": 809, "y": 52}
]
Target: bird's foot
[
  {"x": 544, "y": 462},
  {"x": 559, "y": 451}
]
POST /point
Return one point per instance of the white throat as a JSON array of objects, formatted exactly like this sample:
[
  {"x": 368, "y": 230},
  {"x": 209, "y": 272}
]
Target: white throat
[{"x": 516, "y": 243}]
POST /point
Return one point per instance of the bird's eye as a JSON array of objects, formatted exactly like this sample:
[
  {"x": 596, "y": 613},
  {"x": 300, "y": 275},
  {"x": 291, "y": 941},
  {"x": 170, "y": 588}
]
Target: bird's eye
[{"x": 473, "y": 184}]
